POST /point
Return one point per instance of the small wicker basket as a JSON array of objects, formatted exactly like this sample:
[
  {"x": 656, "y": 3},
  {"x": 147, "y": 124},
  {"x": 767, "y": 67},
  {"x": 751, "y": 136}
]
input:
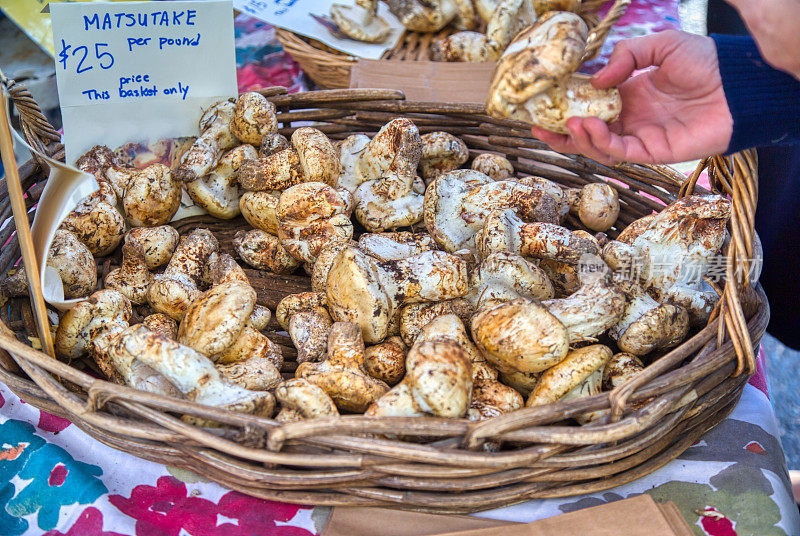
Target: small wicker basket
[
  {"x": 330, "y": 69},
  {"x": 346, "y": 461}
]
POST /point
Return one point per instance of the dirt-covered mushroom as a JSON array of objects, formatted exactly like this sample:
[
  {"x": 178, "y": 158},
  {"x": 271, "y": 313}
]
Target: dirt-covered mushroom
[
  {"x": 361, "y": 22},
  {"x": 324, "y": 262},
  {"x": 415, "y": 316},
  {"x": 397, "y": 402},
  {"x": 648, "y": 325},
  {"x": 151, "y": 196},
  {"x": 96, "y": 222},
  {"x": 256, "y": 373},
  {"x": 132, "y": 278},
  {"x": 216, "y": 137},
  {"x": 260, "y": 209},
  {"x": 441, "y": 152},
  {"x": 310, "y": 216},
  {"x": 596, "y": 204},
  {"x": 395, "y": 246},
  {"x": 581, "y": 369},
  {"x": 620, "y": 368},
  {"x": 96, "y": 161},
  {"x": 369, "y": 293},
  {"x": 520, "y": 335},
  {"x": 74, "y": 263},
  {"x": 386, "y": 361},
  {"x": 161, "y": 324},
  {"x": 466, "y": 46},
  {"x": 458, "y": 203},
  {"x": 88, "y": 319},
  {"x": 190, "y": 371},
  {"x": 218, "y": 191},
  {"x": 440, "y": 377},
  {"x": 505, "y": 276},
  {"x": 173, "y": 290},
  {"x": 496, "y": 167},
  {"x": 312, "y": 158},
  {"x": 503, "y": 230},
  {"x": 253, "y": 118},
  {"x": 271, "y": 143},
  {"x": 301, "y": 399},
  {"x": 564, "y": 276},
  {"x": 350, "y": 150},
  {"x": 307, "y": 321},
  {"x": 264, "y": 251},
  {"x": 342, "y": 374},
  {"x": 158, "y": 243},
  {"x": 432, "y": 15}
]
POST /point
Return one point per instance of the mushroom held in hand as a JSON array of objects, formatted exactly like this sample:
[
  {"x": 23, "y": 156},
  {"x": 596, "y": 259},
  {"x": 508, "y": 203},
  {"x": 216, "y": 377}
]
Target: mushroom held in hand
[
  {"x": 505, "y": 231},
  {"x": 441, "y": 152},
  {"x": 74, "y": 263},
  {"x": 342, "y": 374},
  {"x": 310, "y": 216},
  {"x": 306, "y": 320},
  {"x": 301, "y": 399},
  {"x": 172, "y": 291},
  {"x": 96, "y": 222},
  {"x": 312, "y": 158},
  {"x": 216, "y": 137},
  {"x": 264, "y": 251},
  {"x": 361, "y": 22},
  {"x": 369, "y": 293},
  {"x": 218, "y": 191}
]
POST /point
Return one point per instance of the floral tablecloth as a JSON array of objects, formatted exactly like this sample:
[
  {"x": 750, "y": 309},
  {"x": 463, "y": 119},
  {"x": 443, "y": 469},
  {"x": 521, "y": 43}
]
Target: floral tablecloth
[{"x": 56, "y": 480}]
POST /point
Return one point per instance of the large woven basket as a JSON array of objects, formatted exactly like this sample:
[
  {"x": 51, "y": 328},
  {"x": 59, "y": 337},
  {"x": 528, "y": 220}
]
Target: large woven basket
[
  {"x": 347, "y": 461},
  {"x": 330, "y": 69}
]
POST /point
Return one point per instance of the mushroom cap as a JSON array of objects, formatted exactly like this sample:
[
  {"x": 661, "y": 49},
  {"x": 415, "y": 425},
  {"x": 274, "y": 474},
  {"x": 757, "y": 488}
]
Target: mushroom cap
[
  {"x": 309, "y": 332},
  {"x": 522, "y": 382},
  {"x": 440, "y": 377},
  {"x": 563, "y": 276},
  {"x": 251, "y": 344},
  {"x": 377, "y": 212},
  {"x": 253, "y": 118},
  {"x": 260, "y": 209},
  {"x": 158, "y": 243},
  {"x": 74, "y": 263},
  {"x": 322, "y": 266},
  {"x": 572, "y": 97},
  {"x": 306, "y": 398},
  {"x": 215, "y": 137},
  {"x": 81, "y": 324},
  {"x": 342, "y": 376},
  {"x": 495, "y": 166},
  {"x": 354, "y": 23},
  {"x": 576, "y": 367},
  {"x": 395, "y": 246},
  {"x": 620, "y": 368},
  {"x": 466, "y": 46},
  {"x": 96, "y": 161},
  {"x": 271, "y": 143},
  {"x": 508, "y": 19},
  {"x": 415, "y": 316},
  {"x": 599, "y": 206},
  {"x": 536, "y": 59},
  {"x": 96, "y": 221},
  {"x": 397, "y": 148},
  {"x": 222, "y": 268},
  {"x": 254, "y": 373},
  {"x": 590, "y": 311},
  {"x": 218, "y": 192},
  {"x": 301, "y": 302},
  {"x": 635, "y": 228},
  {"x": 276, "y": 171},
  {"x": 260, "y": 318},
  {"x": 424, "y": 16},
  {"x": 386, "y": 361},
  {"x": 162, "y": 325},
  {"x": 662, "y": 327},
  {"x": 152, "y": 196},
  {"x": 441, "y": 152},
  {"x": 493, "y": 398},
  {"x": 504, "y": 276},
  {"x": 355, "y": 294},
  {"x": 350, "y": 150},
  {"x": 318, "y": 157},
  {"x": 311, "y": 215},
  {"x": 215, "y": 320},
  {"x": 132, "y": 278},
  {"x": 520, "y": 335},
  {"x": 397, "y": 402},
  {"x": 264, "y": 251}
]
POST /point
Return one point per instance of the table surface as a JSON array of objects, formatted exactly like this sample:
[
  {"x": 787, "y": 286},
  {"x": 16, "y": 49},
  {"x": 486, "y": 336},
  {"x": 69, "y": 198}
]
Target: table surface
[{"x": 56, "y": 480}]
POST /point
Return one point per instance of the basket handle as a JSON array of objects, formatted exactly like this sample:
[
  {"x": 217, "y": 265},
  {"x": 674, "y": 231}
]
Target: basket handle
[
  {"x": 599, "y": 33},
  {"x": 36, "y": 129}
]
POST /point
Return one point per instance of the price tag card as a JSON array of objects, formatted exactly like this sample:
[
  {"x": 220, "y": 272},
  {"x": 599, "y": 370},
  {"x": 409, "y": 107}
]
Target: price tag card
[{"x": 140, "y": 71}]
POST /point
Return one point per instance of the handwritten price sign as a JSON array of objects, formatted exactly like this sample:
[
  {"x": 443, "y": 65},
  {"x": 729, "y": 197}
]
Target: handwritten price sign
[{"x": 133, "y": 70}]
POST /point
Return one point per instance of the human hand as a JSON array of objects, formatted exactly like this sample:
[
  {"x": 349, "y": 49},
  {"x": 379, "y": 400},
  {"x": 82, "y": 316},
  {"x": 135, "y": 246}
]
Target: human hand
[
  {"x": 673, "y": 113},
  {"x": 775, "y": 25}
]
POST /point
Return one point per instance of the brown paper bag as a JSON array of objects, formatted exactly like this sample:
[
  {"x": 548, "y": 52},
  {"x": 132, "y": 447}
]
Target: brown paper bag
[{"x": 362, "y": 521}]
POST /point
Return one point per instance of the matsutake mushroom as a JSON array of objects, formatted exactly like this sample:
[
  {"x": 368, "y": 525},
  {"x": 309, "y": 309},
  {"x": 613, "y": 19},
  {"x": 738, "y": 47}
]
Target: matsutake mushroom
[
  {"x": 264, "y": 251},
  {"x": 96, "y": 222},
  {"x": 158, "y": 243},
  {"x": 132, "y": 278},
  {"x": 361, "y": 21},
  {"x": 301, "y": 399},
  {"x": 432, "y": 15},
  {"x": 216, "y": 137},
  {"x": 308, "y": 323},
  {"x": 496, "y": 167},
  {"x": 101, "y": 311},
  {"x": 596, "y": 204},
  {"x": 218, "y": 191},
  {"x": 150, "y": 196},
  {"x": 253, "y": 118},
  {"x": 74, "y": 263},
  {"x": 505, "y": 276},
  {"x": 386, "y": 361},
  {"x": 441, "y": 152}
]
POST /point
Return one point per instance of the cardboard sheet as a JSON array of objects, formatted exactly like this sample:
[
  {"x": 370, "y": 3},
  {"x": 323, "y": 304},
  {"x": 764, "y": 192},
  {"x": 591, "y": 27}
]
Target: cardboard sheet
[
  {"x": 432, "y": 81},
  {"x": 295, "y": 15},
  {"x": 140, "y": 71}
]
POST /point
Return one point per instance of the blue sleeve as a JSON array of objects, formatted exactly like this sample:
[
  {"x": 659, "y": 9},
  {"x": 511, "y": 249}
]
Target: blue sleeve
[{"x": 764, "y": 102}]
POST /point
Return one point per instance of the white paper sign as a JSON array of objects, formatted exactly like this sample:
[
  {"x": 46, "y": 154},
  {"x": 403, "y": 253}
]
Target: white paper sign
[
  {"x": 140, "y": 71},
  {"x": 295, "y": 15}
]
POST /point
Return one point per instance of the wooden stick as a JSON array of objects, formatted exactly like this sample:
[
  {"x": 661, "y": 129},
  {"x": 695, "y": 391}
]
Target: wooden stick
[{"x": 23, "y": 229}]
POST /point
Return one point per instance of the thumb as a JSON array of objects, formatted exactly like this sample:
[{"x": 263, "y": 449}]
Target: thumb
[{"x": 634, "y": 54}]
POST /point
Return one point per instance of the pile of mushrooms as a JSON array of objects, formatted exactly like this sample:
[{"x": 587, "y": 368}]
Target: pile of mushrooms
[{"x": 440, "y": 286}]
